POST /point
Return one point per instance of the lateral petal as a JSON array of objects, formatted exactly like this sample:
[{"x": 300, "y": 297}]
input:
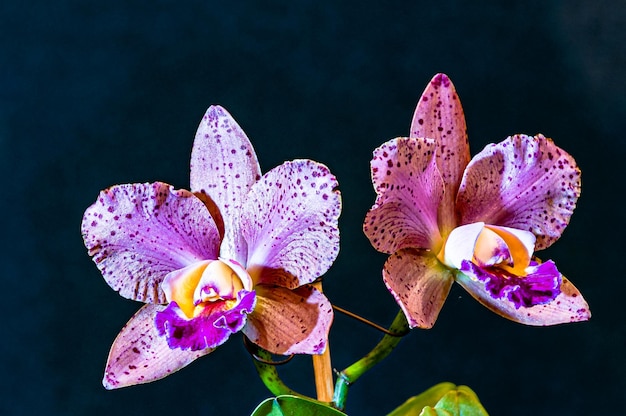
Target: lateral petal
[
  {"x": 568, "y": 306},
  {"x": 290, "y": 321},
  {"x": 290, "y": 224},
  {"x": 419, "y": 283},
  {"x": 139, "y": 355},
  {"x": 439, "y": 116},
  {"x": 138, "y": 233},
  {"x": 224, "y": 166},
  {"x": 409, "y": 190},
  {"x": 523, "y": 182}
]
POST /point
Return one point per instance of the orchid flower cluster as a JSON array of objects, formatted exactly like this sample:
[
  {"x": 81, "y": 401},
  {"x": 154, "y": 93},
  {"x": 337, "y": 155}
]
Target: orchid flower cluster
[{"x": 243, "y": 251}]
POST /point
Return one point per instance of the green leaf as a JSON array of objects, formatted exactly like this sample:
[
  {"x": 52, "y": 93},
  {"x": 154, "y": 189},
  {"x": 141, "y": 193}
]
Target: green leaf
[
  {"x": 462, "y": 402},
  {"x": 444, "y": 399},
  {"x": 287, "y": 405},
  {"x": 429, "y": 398}
]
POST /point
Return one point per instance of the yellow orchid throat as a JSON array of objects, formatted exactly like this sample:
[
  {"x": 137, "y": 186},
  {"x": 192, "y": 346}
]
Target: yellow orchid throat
[{"x": 205, "y": 281}]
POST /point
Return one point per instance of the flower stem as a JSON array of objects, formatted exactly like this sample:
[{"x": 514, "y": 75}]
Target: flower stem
[
  {"x": 269, "y": 375},
  {"x": 322, "y": 369},
  {"x": 379, "y": 352}
]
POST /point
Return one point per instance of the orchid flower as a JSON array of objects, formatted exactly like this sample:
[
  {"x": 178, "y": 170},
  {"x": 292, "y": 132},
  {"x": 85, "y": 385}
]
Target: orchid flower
[
  {"x": 236, "y": 253},
  {"x": 443, "y": 217}
]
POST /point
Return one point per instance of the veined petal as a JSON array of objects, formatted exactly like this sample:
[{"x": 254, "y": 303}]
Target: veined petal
[
  {"x": 524, "y": 182},
  {"x": 419, "y": 283},
  {"x": 290, "y": 224},
  {"x": 567, "y": 306},
  {"x": 139, "y": 355},
  {"x": 410, "y": 189},
  {"x": 138, "y": 233},
  {"x": 290, "y": 321},
  {"x": 210, "y": 328},
  {"x": 439, "y": 116},
  {"x": 224, "y": 166}
]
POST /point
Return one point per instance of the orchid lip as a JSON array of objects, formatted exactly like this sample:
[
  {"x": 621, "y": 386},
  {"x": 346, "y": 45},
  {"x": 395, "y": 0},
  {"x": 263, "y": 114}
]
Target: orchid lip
[
  {"x": 540, "y": 285},
  {"x": 487, "y": 246},
  {"x": 204, "y": 282}
]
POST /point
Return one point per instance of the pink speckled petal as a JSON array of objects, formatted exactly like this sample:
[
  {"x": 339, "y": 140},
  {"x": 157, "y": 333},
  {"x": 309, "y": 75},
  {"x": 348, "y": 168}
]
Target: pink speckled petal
[
  {"x": 439, "y": 116},
  {"x": 290, "y": 321},
  {"x": 409, "y": 189},
  {"x": 568, "y": 306},
  {"x": 138, "y": 233},
  {"x": 290, "y": 224},
  {"x": 224, "y": 166},
  {"x": 419, "y": 283},
  {"x": 139, "y": 355},
  {"x": 523, "y": 182}
]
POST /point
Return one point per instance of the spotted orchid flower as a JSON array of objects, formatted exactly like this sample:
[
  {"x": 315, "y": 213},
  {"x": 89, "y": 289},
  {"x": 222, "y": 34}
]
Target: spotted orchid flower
[
  {"x": 236, "y": 253},
  {"x": 443, "y": 217}
]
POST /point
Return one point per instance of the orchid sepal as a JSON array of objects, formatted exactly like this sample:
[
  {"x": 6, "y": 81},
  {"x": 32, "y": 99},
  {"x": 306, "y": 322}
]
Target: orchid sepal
[
  {"x": 140, "y": 355},
  {"x": 419, "y": 283}
]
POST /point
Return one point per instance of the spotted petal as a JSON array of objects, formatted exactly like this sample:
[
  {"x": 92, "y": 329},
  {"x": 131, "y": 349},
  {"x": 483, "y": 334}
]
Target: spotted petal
[
  {"x": 290, "y": 321},
  {"x": 138, "y": 233},
  {"x": 224, "y": 166},
  {"x": 439, "y": 116},
  {"x": 524, "y": 182},
  {"x": 139, "y": 355},
  {"x": 419, "y": 283},
  {"x": 409, "y": 189},
  {"x": 290, "y": 223},
  {"x": 568, "y": 306}
]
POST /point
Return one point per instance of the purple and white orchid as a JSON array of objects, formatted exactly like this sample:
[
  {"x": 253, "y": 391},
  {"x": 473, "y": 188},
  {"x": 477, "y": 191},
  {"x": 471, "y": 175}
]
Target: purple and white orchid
[
  {"x": 444, "y": 217},
  {"x": 236, "y": 253}
]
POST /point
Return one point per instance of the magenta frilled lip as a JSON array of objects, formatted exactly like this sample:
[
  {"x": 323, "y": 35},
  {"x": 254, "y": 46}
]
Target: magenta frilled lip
[
  {"x": 541, "y": 285},
  {"x": 210, "y": 329}
]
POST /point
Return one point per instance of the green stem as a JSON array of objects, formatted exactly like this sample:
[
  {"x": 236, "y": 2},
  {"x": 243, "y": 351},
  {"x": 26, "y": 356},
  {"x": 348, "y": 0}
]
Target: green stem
[
  {"x": 377, "y": 354},
  {"x": 269, "y": 375}
]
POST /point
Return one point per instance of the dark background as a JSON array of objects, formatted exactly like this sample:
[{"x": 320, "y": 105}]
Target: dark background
[{"x": 98, "y": 93}]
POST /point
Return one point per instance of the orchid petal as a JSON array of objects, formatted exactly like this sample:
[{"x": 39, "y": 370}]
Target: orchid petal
[
  {"x": 139, "y": 355},
  {"x": 409, "y": 189},
  {"x": 224, "y": 166},
  {"x": 439, "y": 116},
  {"x": 290, "y": 223},
  {"x": 568, "y": 306},
  {"x": 290, "y": 321},
  {"x": 210, "y": 328},
  {"x": 138, "y": 233},
  {"x": 524, "y": 182},
  {"x": 419, "y": 283}
]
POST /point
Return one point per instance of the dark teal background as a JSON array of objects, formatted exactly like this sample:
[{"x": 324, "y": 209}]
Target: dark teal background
[{"x": 98, "y": 93}]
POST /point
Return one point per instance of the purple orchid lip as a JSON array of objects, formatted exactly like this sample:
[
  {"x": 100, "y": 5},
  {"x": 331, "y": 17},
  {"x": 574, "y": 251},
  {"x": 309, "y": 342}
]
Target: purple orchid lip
[
  {"x": 541, "y": 285},
  {"x": 209, "y": 329}
]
